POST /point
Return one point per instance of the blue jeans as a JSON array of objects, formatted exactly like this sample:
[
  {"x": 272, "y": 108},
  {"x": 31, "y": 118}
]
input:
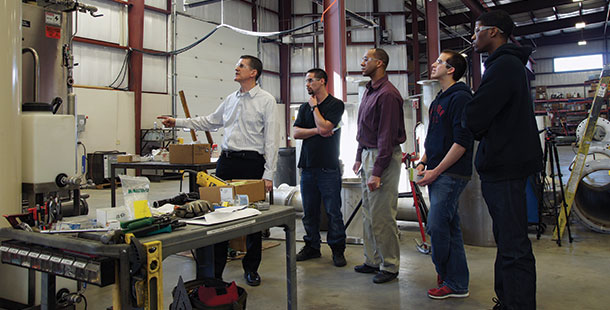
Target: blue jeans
[
  {"x": 322, "y": 185},
  {"x": 515, "y": 267},
  {"x": 443, "y": 227}
]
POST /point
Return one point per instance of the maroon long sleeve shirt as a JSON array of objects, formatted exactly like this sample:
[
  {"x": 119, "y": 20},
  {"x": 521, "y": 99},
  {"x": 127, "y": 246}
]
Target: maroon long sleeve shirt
[{"x": 380, "y": 122}]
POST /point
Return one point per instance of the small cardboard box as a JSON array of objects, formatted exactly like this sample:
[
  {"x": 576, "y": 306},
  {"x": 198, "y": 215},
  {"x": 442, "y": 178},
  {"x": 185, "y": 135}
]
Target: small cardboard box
[
  {"x": 181, "y": 153},
  {"x": 255, "y": 189},
  {"x": 189, "y": 153},
  {"x": 213, "y": 193},
  {"x": 124, "y": 158},
  {"x": 202, "y": 153},
  {"x": 238, "y": 244}
]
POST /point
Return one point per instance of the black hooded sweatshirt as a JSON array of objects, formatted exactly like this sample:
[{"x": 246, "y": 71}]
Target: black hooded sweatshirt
[
  {"x": 501, "y": 116},
  {"x": 445, "y": 129}
]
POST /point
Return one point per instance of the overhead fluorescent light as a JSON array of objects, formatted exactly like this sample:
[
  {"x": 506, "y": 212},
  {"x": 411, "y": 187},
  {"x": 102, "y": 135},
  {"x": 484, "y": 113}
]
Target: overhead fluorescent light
[
  {"x": 582, "y": 42},
  {"x": 580, "y": 25},
  {"x": 576, "y": 0}
]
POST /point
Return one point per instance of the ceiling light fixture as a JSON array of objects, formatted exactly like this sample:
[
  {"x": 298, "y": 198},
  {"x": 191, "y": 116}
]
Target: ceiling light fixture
[
  {"x": 582, "y": 42},
  {"x": 580, "y": 25}
]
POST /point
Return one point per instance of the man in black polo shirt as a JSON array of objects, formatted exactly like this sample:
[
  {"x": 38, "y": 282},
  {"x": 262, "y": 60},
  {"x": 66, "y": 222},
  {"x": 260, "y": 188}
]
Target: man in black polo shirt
[{"x": 318, "y": 125}]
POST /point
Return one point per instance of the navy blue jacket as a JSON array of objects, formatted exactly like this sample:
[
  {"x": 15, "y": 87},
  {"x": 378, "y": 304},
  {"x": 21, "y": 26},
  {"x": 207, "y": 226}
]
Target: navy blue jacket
[
  {"x": 445, "y": 129},
  {"x": 501, "y": 116}
]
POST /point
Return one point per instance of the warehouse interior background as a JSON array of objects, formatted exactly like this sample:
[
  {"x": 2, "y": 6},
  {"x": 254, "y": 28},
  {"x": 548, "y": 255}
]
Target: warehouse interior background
[{"x": 119, "y": 92}]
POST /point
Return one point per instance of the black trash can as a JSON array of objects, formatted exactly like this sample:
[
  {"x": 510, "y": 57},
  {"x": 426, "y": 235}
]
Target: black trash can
[{"x": 286, "y": 171}]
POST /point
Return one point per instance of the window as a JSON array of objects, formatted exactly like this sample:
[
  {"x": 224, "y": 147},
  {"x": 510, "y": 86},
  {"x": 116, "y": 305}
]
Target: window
[{"x": 587, "y": 62}]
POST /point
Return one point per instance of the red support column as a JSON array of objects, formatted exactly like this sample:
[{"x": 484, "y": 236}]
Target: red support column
[
  {"x": 285, "y": 20},
  {"x": 136, "y": 40},
  {"x": 432, "y": 30},
  {"x": 334, "y": 48}
]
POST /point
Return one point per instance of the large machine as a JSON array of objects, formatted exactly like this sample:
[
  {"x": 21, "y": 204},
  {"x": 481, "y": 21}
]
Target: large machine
[
  {"x": 39, "y": 135},
  {"x": 49, "y": 132}
]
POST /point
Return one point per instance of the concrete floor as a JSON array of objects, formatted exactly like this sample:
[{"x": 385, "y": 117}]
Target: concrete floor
[{"x": 569, "y": 277}]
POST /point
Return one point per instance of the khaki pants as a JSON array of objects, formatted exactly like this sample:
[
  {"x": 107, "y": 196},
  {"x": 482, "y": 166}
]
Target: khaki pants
[{"x": 379, "y": 208}]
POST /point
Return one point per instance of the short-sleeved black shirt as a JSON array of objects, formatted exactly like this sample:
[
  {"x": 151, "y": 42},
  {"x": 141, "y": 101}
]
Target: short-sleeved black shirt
[{"x": 317, "y": 151}]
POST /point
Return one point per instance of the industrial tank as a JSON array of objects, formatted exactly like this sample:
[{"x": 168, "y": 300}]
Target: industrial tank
[{"x": 47, "y": 144}]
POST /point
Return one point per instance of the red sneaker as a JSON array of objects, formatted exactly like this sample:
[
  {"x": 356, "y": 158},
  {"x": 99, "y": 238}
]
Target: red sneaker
[
  {"x": 439, "y": 280},
  {"x": 445, "y": 292}
]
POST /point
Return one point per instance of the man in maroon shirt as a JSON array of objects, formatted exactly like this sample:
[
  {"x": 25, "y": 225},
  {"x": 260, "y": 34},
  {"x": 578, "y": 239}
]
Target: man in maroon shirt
[{"x": 381, "y": 130}]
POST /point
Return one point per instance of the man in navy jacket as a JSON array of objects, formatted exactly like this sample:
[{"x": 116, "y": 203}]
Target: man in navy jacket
[
  {"x": 447, "y": 167},
  {"x": 501, "y": 116}
]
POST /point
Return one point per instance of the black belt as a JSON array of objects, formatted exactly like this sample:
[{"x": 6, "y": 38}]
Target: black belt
[{"x": 240, "y": 154}]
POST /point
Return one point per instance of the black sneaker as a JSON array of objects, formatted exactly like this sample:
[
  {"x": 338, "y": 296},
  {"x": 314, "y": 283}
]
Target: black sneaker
[
  {"x": 364, "y": 268},
  {"x": 339, "y": 259},
  {"x": 384, "y": 276},
  {"x": 307, "y": 252}
]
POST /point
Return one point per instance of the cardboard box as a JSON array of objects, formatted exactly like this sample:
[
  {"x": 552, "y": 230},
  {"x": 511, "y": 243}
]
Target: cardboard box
[
  {"x": 190, "y": 153},
  {"x": 201, "y": 153},
  {"x": 238, "y": 244},
  {"x": 255, "y": 189},
  {"x": 181, "y": 153},
  {"x": 213, "y": 194},
  {"x": 124, "y": 159}
]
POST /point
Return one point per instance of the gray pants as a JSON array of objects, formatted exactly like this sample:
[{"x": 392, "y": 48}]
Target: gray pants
[{"x": 379, "y": 208}]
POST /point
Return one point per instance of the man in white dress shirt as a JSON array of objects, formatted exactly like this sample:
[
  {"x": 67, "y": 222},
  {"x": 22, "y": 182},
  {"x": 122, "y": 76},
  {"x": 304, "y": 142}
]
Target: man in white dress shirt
[{"x": 249, "y": 148}]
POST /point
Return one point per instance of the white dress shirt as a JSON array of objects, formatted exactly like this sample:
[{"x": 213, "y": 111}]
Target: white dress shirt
[{"x": 249, "y": 122}]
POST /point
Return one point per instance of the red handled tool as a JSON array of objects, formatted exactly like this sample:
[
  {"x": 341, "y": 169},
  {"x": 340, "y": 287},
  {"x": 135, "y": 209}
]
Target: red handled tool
[{"x": 419, "y": 204}]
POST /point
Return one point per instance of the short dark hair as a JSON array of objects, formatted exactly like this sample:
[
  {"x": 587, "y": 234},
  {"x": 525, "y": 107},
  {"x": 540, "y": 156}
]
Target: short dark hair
[
  {"x": 457, "y": 61},
  {"x": 381, "y": 55},
  {"x": 319, "y": 74},
  {"x": 500, "y": 19},
  {"x": 254, "y": 63}
]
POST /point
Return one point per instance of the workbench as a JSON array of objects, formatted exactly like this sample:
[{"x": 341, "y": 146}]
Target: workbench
[
  {"x": 183, "y": 239},
  {"x": 156, "y": 165}
]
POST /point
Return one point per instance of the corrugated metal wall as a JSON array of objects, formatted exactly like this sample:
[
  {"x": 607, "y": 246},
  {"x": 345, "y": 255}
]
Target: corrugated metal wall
[
  {"x": 544, "y": 70},
  {"x": 100, "y": 66},
  {"x": 302, "y": 55}
]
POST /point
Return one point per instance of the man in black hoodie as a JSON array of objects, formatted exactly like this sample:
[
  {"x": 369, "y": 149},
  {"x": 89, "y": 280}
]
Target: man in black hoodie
[
  {"x": 501, "y": 116},
  {"x": 446, "y": 167}
]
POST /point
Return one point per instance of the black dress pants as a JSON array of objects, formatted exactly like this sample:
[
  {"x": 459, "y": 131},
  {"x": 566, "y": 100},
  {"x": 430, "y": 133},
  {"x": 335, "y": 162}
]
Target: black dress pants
[{"x": 239, "y": 165}]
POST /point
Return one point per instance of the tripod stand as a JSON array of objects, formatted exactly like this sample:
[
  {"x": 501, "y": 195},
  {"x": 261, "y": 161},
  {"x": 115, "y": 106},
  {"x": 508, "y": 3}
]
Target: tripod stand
[{"x": 551, "y": 156}]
